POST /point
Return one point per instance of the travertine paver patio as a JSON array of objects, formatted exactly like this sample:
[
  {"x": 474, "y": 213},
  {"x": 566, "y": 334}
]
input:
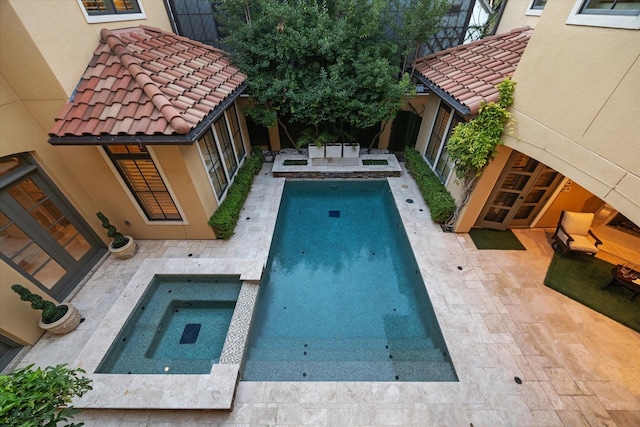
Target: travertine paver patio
[{"x": 577, "y": 367}]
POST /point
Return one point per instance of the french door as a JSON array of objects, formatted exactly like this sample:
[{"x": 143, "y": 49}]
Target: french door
[
  {"x": 519, "y": 194},
  {"x": 41, "y": 235}
]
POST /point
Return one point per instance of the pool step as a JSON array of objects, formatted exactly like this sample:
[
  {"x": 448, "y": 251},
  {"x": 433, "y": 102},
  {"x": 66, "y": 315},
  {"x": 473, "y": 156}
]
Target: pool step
[
  {"x": 342, "y": 343},
  {"x": 346, "y": 354},
  {"x": 423, "y": 371}
]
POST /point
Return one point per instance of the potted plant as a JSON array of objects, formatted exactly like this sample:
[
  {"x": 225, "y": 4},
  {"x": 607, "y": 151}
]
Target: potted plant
[
  {"x": 122, "y": 247},
  {"x": 315, "y": 141},
  {"x": 58, "y": 319},
  {"x": 41, "y": 397}
]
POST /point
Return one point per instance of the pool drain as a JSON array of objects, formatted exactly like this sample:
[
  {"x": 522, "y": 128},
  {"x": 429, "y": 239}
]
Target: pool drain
[
  {"x": 190, "y": 333},
  {"x": 334, "y": 214}
]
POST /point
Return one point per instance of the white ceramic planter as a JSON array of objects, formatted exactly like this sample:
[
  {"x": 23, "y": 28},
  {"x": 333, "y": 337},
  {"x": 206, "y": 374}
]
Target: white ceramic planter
[
  {"x": 333, "y": 151},
  {"x": 316, "y": 152},
  {"x": 351, "y": 150},
  {"x": 67, "y": 323},
  {"x": 125, "y": 252}
]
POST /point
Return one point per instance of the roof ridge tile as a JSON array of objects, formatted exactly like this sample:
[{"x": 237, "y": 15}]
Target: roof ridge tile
[{"x": 152, "y": 91}]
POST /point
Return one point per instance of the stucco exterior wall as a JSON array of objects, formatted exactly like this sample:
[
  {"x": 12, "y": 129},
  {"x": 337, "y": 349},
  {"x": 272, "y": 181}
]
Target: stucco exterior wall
[
  {"x": 515, "y": 16},
  {"x": 64, "y": 38},
  {"x": 577, "y": 104},
  {"x": 17, "y": 320}
]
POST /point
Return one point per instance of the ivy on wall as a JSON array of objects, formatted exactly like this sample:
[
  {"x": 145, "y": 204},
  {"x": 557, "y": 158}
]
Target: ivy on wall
[{"x": 473, "y": 144}]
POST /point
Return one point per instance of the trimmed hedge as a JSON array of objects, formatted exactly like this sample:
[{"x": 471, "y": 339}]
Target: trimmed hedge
[
  {"x": 224, "y": 219},
  {"x": 440, "y": 202}
]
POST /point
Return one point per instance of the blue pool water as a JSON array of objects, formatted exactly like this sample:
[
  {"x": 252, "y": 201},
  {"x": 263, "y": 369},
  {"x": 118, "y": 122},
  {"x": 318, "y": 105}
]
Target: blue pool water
[
  {"x": 178, "y": 327},
  {"x": 342, "y": 298}
]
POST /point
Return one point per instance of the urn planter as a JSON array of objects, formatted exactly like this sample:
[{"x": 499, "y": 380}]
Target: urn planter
[
  {"x": 65, "y": 324},
  {"x": 126, "y": 251}
]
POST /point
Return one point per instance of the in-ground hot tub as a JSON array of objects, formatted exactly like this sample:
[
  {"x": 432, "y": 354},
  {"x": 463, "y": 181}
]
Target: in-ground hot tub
[{"x": 179, "y": 326}]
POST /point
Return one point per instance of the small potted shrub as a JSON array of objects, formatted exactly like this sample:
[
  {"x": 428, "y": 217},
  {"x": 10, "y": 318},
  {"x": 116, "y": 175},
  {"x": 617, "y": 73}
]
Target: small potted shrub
[
  {"x": 122, "y": 247},
  {"x": 58, "y": 319},
  {"x": 41, "y": 397}
]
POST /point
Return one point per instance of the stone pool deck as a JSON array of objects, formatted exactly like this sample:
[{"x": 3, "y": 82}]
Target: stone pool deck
[{"x": 577, "y": 367}]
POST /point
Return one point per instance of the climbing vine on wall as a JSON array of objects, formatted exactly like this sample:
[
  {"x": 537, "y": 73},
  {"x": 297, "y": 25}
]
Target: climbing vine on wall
[{"x": 473, "y": 144}]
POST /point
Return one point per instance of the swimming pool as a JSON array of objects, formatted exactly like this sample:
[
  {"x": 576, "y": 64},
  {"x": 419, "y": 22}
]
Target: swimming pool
[
  {"x": 179, "y": 326},
  {"x": 342, "y": 298}
]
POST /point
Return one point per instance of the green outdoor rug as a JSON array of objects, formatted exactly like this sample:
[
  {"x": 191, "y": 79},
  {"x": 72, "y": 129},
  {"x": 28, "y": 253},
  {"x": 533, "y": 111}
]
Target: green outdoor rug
[
  {"x": 582, "y": 278},
  {"x": 484, "y": 238}
]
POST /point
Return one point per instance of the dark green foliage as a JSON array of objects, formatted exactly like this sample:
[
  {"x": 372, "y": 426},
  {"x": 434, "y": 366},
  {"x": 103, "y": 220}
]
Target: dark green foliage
[
  {"x": 472, "y": 145},
  {"x": 374, "y": 162},
  {"x": 318, "y": 63},
  {"x": 119, "y": 240},
  {"x": 50, "y": 311},
  {"x": 41, "y": 397},
  {"x": 295, "y": 162},
  {"x": 441, "y": 203},
  {"x": 224, "y": 219}
]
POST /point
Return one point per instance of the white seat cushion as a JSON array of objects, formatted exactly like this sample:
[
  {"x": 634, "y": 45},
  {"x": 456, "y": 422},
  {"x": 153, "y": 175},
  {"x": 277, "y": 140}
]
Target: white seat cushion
[
  {"x": 582, "y": 244},
  {"x": 577, "y": 223}
]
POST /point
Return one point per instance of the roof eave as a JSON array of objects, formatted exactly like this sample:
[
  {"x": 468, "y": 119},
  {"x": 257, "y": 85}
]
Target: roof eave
[
  {"x": 444, "y": 95},
  {"x": 175, "y": 139}
]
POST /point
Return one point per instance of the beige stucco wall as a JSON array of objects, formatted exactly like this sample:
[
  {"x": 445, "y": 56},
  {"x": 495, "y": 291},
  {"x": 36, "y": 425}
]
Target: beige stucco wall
[
  {"x": 64, "y": 38},
  {"x": 515, "y": 16},
  {"x": 577, "y": 104},
  {"x": 428, "y": 112},
  {"x": 17, "y": 320},
  {"x": 481, "y": 190}
]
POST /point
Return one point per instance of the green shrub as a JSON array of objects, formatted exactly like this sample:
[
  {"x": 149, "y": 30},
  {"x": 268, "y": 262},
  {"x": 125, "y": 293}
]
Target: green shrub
[
  {"x": 441, "y": 203},
  {"x": 41, "y": 397},
  {"x": 225, "y": 218}
]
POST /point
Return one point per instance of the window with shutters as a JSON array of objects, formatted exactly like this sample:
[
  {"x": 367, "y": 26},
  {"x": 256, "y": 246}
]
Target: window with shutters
[{"x": 141, "y": 175}]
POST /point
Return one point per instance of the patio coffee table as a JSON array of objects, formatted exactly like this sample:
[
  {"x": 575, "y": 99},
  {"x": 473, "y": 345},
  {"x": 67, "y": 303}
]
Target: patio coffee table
[{"x": 625, "y": 277}]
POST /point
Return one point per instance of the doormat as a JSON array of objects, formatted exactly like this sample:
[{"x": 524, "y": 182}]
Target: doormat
[
  {"x": 484, "y": 238},
  {"x": 582, "y": 277}
]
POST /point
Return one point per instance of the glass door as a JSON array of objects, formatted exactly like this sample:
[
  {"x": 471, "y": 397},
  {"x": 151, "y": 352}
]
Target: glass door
[
  {"x": 520, "y": 193},
  {"x": 41, "y": 237}
]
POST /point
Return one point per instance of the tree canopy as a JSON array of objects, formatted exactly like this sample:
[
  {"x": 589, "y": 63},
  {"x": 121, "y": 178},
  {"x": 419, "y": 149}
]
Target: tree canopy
[{"x": 321, "y": 62}]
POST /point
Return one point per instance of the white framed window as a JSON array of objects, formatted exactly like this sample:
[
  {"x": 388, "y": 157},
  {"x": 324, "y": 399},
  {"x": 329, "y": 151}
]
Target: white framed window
[
  {"x": 606, "y": 13},
  {"x": 97, "y": 11},
  {"x": 536, "y": 7},
  {"x": 436, "y": 154}
]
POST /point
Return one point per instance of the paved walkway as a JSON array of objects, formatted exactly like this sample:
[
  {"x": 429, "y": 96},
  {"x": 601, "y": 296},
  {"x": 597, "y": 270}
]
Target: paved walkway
[{"x": 577, "y": 367}]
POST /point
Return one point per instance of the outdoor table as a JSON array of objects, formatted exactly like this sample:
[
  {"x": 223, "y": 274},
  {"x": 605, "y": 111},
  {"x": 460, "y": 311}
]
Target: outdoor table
[{"x": 625, "y": 277}]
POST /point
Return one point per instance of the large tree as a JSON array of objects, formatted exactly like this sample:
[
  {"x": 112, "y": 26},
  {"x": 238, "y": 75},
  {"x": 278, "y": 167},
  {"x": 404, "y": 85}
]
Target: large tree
[{"x": 320, "y": 62}]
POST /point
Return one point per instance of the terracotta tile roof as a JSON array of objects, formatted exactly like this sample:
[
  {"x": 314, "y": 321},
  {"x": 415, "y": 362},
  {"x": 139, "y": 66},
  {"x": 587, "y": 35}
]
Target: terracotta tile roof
[
  {"x": 145, "y": 81},
  {"x": 469, "y": 73}
]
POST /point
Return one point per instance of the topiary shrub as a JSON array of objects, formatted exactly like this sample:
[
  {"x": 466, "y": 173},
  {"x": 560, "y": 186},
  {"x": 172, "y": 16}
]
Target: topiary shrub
[
  {"x": 441, "y": 203},
  {"x": 225, "y": 218},
  {"x": 50, "y": 311},
  {"x": 119, "y": 240}
]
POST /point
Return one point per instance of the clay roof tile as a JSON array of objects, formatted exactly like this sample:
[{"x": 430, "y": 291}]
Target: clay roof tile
[
  {"x": 147, "y": 81},
  {"x": 470, "y": 72}
]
